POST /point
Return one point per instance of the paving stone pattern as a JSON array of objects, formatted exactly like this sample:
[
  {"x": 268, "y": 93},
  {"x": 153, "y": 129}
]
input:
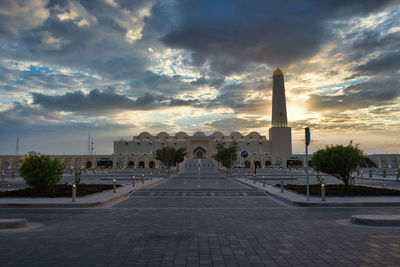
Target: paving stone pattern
[{"x": 187, "y": 221}]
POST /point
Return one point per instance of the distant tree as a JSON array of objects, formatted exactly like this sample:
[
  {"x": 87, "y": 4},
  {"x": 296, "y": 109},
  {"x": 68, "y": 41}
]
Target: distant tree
[
  {"x": 224, "y": 154},
  {"x": 179, "y": 156},
  {"x": 40, "y": 171},
  {"x": 170, "y": 156},
  {"x": 338, "y": 161}
]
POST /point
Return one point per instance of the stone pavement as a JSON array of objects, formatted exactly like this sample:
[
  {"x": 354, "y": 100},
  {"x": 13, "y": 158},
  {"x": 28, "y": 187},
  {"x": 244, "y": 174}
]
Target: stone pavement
[{"x": 211, "y": 221}]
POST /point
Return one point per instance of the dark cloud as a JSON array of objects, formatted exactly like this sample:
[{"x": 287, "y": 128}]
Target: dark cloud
[
  {"x": 231, "y": 33},
  {"x": 98, "y": 102},
  {"x": 370, "y": 93},
  {"x": 243, "y": 98},
  {"x": 228, "y": 125},
  {"x": 386, "y": 63}
]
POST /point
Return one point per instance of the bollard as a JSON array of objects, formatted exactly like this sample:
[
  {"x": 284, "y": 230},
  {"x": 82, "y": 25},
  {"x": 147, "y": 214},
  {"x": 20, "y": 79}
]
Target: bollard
[
  {"x": 151, "y": 176},
  {"x": 133, "y": 181},
  {"x": 361, "y": 174},
  {"x": 323, "y": 192},
  {"x": 114, "y": 185},
  {"x": 73, "y": 192},
  {"x": 384, "y": 186},
  {"x": 384, "y": 173},
  {"x": 254, "y": 179},
  {"x": 142, "y": 178},
  {"x": 353, "y": 177},
  {"x": 370, "y": 173},
  {"x": 281, "y": 185},
  {"x": 263, "y": 178},
  {"x": 397, "y": 175}
]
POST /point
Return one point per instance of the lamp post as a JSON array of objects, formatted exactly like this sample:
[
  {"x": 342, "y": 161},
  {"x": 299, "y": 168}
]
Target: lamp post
[{"x": 307, "y": 141}]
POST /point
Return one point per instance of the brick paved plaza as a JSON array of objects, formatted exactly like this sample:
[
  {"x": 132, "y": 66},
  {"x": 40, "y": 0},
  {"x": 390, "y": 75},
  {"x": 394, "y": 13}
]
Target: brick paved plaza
[{"x": 192, "y": 221}]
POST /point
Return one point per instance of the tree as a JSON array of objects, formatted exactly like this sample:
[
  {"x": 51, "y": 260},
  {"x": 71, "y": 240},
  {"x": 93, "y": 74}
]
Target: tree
[
  {"x": 338, "y": 161},
  {"x": 40, "y": 171},
  {"x": 170, "y": 156},
  {"x": 224, "y": 154}
]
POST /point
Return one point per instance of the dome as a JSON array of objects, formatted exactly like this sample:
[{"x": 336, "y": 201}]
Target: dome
[
  {"x": 163, "y": 135},
  {"x": 144, "y": 135},
  {"x": 278, "y": 72},
  {"x": 181, "y": 135},
  {"x": 254, "y": 135},
  {"x": 217, "y": 135},
  {"x": 199, "y": 134},
  {"x": 236, "y": 135}
]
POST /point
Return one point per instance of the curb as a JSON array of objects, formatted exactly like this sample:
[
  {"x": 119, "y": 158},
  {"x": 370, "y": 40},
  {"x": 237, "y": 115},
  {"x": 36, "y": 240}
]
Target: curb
[
  {"x": 76, "y": 205},
  {"x": 280, "y": 196}
]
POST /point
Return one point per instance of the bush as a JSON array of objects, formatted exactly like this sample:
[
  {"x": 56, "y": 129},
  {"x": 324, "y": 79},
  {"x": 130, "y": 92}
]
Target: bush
[
  {"x": 40, "y": 171},
  {"x": 338, "y": 161}
]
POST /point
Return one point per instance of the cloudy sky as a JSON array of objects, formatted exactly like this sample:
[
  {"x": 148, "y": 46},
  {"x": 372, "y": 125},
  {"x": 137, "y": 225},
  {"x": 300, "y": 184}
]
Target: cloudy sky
[{"x": 115, "y": 68}]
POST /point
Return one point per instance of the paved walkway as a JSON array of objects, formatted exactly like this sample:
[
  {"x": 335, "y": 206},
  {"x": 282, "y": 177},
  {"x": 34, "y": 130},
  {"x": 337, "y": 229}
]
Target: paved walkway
[{"x": 192, "y": 221}]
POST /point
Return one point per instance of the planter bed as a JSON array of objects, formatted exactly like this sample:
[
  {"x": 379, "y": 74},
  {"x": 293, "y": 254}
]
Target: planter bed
[
  {"x": 339, "y": 190},
  {"x": 60, "y": 190}
]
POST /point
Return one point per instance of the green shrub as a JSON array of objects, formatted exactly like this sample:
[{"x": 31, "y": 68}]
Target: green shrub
[{"x": 40, "y": 171}]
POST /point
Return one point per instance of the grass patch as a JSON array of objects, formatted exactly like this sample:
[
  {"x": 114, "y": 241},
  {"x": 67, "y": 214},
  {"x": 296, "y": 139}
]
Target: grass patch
[
  {"x": 60, "y": 190},
  {"x": 339, "y": 190}
]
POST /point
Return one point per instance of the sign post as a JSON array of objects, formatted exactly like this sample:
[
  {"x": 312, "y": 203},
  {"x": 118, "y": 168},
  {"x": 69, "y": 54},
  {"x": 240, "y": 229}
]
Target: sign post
[{"x": 307, "y": 139}]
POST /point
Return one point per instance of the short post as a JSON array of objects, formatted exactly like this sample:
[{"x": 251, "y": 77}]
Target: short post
[
  {"x": 397, "y": 175},
  {"x": 384, "y": 173},
  {"x": 254, "y": 178},
  {"x": 370, "y": 173},
  {"x": 323, "y": 192},
  {"x": 384, "y": 186},
  {"x": 151, "y": 176},
  {"x": 263, "y": 178},
  {"x": 361, "y": 173},
  {"x": 114, "y": 185},
  {"x": 142, "y": 178},
  {"x": 73, "y": 192},
  {"x": 281, "y": 185},
  {"x": 133, "y": 181},
  {"x": 353, "y": 178}
]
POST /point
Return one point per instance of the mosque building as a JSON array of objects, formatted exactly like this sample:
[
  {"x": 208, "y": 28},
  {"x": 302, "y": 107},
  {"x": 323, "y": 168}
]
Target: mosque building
[{"x": 254, "y": 149}]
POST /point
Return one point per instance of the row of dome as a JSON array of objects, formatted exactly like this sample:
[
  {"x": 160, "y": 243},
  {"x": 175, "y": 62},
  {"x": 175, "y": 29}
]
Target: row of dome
[{"x": 181, "y": 135}]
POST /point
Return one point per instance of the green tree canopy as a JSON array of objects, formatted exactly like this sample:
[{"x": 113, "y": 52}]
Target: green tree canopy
[
  {"x": 40, "y": 171},
  {"x": 338, "y": 161},
  {"x": 170, "y": 156},
  {"x": 224, "y": 154}
]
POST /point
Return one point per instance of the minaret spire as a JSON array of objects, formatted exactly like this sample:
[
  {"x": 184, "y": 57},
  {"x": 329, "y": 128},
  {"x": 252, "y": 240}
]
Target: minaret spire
[
  {"x": 279, "y": 115},
  {"x": 280, "y": 134}
]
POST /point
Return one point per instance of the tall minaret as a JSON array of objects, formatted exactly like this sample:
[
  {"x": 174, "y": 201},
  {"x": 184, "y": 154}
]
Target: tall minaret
[
  {"x": 280, "y": 135},
  {"x": 279, "y": 117}
]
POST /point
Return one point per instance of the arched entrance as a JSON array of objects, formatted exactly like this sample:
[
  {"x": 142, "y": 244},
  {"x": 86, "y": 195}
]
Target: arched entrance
[
  {"x": 257, "y": 164},
  {"x": 199, "y": 153},
  {"x": 88, "y": 165},
  {"x": 141, "y": 164},
  {"x": 106, "y": 164},
  {"x": 247, "y": 164},
  {"x": 131, "y": 164},
  {"x": 151, "y": 164},
  {"x": 294, "y": 163},
  {"x": 267, "y": 163}
]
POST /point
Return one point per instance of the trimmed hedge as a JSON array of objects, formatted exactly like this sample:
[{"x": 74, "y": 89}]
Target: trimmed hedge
[
  {"x": 339, "y": 190},
  {"x": 60, "y": 190}
]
